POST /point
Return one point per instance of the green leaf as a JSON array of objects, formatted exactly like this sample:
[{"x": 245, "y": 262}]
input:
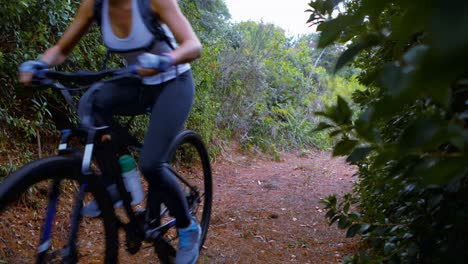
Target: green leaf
[
  {"x": 413, "y": 56},
  {"x": 331, "y": 29},
  {"x": 348, "y": 55},
  {"x": 330, "y": 214},
  {"x": 346, "y": 208},
  {"x": 364, "y": 228},
  {"x": 463, "y": 115},
  {"x": 358, "y": 154},
  {"x": 438, "y": 90},
  {"x": 455, "y": 134},
  {"x": 434, "y": 201},
  {"x": 412, "y": 249},
  {"x": 395, "y": 228},
  {"x": 364, "y": 127},
  {"x": 339, "y": 113},
  {"x": 450, "y": 15},
  {"x": 384, "y": 156},
  {"x": 335, "y": 132},
  {"x": 441, "y": 171},
  {"x": 336, "y": 217},
  {"x": 387, "y": 107},
  {"x": 354, "y": 216},
  {"x": 394, "y": 80},
  {"x": 343, "y": 222},
  {"x": 353, "y": 230},
  {"x": 374, "y": 7},
  {"x": 322, "y": 126},
  {"x": 324, "y": 114},
  {"x": 419, "y": 134},
  {"x": 323, "y": 7},
  {"x": 389, "y": 248},
  {"x": 343, "y": 112},
  {"x": 344, "y": 147}
]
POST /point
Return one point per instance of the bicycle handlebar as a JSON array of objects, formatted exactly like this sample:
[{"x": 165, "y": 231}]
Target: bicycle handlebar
[{"x": 82, "y": 77}]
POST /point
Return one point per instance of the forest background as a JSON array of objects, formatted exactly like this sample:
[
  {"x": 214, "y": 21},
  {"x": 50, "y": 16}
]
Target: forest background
[{"x": 255, "y": 85}]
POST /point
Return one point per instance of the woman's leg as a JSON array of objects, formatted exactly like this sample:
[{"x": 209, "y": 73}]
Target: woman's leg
[
  {"x": 172, "y": 104},
  {"x": 105, "y": 99},
  {"x": 97, "y": 107}
]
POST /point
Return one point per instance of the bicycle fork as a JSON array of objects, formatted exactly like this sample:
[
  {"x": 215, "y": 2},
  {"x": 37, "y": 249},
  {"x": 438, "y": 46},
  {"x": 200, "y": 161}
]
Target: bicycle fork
[
  {"x": 45, "y": 241},
  {"x": 69, "y": 253}
]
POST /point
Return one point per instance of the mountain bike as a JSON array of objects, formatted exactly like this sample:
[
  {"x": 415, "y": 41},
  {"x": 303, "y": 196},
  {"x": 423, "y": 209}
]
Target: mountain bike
[{"x": 41, "y": 203}]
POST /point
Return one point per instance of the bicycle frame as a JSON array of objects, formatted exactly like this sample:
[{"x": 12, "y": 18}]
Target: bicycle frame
[
  {"x": 137, "y": 229},
  {"x": 148, "y": 229}
]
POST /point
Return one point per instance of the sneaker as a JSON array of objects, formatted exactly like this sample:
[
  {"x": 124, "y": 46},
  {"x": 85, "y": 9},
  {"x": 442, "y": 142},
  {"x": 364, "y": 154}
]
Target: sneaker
[
  {"x": 189, "y": 243},
  {"x": 91, "y": 209}
]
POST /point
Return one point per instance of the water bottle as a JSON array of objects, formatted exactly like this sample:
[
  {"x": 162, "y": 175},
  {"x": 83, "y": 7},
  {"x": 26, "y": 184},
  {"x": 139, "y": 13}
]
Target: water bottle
[{"x": 131, "y": 178}]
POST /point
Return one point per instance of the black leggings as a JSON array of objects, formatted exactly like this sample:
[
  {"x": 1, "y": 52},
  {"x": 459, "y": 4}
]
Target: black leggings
[{"x": 170, "y": 104}]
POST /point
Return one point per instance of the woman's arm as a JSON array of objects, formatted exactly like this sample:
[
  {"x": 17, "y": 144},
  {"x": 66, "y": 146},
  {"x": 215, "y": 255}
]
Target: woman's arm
[
  {"x": 80, "y": 25},
  {"x": 58, "y": 53},
  {"x": 170, "y": 14}
]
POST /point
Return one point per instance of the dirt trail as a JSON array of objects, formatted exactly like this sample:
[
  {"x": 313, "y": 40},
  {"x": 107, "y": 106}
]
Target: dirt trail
[
  {"x": 269, "y": 212},
  {"x": 263, "y": 212}
]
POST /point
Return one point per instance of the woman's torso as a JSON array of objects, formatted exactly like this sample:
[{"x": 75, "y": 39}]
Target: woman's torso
[{"x": 138, "y": 41}]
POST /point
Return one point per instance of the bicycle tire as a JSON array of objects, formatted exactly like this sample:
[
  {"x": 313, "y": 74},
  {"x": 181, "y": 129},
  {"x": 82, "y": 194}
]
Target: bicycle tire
[
  {"x": 191, "y": 140},
  {"x": 37, "y": 176}
]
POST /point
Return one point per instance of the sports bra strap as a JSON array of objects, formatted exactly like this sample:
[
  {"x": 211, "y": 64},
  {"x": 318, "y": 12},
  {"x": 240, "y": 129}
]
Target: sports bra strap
[{"x": 150, "y": 19}]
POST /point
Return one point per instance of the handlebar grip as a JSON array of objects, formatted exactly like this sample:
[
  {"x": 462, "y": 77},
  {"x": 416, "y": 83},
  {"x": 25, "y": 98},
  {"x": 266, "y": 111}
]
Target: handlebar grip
[
  {"x": 41, "y": 73},
  {"x": 40, "y": 78}
]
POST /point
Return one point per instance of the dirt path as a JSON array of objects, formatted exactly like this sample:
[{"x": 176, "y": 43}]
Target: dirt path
[
  {"x": 269, "y": 212},
  {"x": 263, "y": 212}
]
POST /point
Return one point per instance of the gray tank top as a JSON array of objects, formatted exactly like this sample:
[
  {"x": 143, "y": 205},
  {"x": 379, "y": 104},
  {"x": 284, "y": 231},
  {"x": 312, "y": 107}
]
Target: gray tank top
[{"x": 138, "y": 42}]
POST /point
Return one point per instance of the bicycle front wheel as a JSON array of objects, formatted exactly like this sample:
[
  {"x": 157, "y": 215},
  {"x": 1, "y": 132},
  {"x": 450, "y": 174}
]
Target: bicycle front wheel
[
  {"x": 37, "y": 203},
  {"x": 189, "y": 161}
]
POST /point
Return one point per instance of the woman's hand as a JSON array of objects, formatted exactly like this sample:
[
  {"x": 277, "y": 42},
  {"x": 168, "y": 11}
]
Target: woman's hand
[
  {"x": 27, "y": 70},
  {"x": 151, "y": 64}
]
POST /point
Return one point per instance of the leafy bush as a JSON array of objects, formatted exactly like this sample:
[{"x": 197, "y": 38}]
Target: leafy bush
[
  {"x": 269, "y": 90},
  {"x": 409, "y": 142}
]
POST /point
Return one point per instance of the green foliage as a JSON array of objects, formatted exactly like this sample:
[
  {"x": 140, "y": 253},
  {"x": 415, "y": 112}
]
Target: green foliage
[
  {"x": 253, "y": 84},
  {"x": 30, "y": 116},
  {"x": 269, "y": 89},
  {"x": 27, "y": 28},
  {"x": 409, "y": 141},
  {"x": 208, "y": 20}
]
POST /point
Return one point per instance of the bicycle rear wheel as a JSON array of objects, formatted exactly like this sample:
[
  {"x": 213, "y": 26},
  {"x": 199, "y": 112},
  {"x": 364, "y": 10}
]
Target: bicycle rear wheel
[
  {"x": 36, "y": 205},
  {"x": 190, "y": 162}
]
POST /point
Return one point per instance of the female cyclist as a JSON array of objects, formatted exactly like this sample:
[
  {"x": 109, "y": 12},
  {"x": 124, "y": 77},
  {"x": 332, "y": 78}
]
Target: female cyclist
[{"x": 166, "y": 87}]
